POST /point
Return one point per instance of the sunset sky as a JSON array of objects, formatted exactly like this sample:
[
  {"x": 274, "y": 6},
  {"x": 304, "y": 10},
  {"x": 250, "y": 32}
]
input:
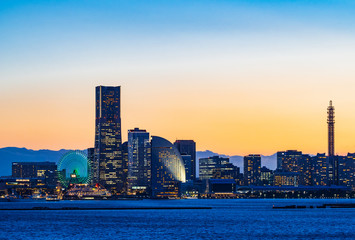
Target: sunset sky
[{"x": 238, "y": 77}]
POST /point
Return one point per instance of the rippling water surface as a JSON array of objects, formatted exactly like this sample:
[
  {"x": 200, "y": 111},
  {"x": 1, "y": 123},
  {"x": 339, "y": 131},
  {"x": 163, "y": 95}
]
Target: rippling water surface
[{"x": 228, "y": 219}]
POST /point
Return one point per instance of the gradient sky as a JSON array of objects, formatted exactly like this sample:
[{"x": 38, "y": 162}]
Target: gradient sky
[{"x": 238, "y": 77}]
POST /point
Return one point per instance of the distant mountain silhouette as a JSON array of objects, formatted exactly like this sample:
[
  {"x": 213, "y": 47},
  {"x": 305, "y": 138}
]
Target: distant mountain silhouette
[
  {"x": 13, "y": 154},
  {"x": 267, "y": 161}
]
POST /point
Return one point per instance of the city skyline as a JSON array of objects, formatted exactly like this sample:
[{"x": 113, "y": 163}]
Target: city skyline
[{"x": 237, "y": 78}]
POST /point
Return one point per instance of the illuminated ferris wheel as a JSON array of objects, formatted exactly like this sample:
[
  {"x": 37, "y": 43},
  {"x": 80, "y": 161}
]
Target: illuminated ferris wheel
[{"x": 74, "y": 168}]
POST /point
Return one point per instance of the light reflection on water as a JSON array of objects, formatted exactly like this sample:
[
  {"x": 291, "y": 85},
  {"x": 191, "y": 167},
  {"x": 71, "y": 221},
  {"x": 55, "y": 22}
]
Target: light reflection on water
[{"x": 228, "y": 219}]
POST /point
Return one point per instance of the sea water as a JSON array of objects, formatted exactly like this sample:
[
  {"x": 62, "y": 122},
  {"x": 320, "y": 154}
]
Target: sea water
[{"x": 228, "y": 219}]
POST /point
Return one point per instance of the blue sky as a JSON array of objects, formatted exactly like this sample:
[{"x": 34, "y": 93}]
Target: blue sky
[{"x": 292, "y": 55}]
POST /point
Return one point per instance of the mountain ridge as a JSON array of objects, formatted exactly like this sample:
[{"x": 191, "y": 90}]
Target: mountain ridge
[{"x": 15, "y": 154}]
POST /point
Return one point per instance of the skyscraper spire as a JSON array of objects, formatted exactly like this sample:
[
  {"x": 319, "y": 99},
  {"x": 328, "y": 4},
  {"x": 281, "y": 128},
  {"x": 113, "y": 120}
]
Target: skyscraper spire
[{"x": 330, "y": 122}]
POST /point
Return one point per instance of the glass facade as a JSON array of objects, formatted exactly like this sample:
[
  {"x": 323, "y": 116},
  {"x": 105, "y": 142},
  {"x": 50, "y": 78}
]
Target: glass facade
[
  {"x": 188, "y": 148},
  {"x": 139, "y": 162},
  {"x": 109, "y": 167},
  {"x": 168, "y": 171}
]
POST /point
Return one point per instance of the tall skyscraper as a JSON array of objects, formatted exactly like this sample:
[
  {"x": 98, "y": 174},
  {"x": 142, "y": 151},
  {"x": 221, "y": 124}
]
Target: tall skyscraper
[
  {"x": 168, "y": 170},
  {"x": 109, "y": 169},
  {"x": 252, "y": 166},
  {"x": 139, "y": 162},
  {"x": 187, "y": 149},
  {"x": 331, "y": 123}
]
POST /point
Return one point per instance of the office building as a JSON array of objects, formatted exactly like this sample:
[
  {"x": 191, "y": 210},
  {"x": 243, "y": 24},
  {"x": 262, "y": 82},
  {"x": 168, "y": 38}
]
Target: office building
[
  {"x": 216, "y": 168},
  {"x": 168, "y": 170},
  {"x": 43, "y": 170},
  {"x": 346, "y": 170},
  {"x": 187, "y": 149},
  {"x": 252, "y": 166},
  {"x": 305, "y": 170},
  {"x": 266, "y": 176},
  {"x": 286, "y": 178},
  {"x": 109, "y": 167},
  {"x": 289, "y": 160},
  {"x": 319, "y": 170},
  {"x": 139, "y": 162}
]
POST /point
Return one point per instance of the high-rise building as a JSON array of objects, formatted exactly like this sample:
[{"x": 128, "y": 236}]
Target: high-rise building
[
  {"x": 252, "y": 166},
  {"x": 109, "y": 167},
  {"x": 168, "y": 170},
  {"x": 319, "y": 170},
  {"x": 188, "y": 148},
  {"x": 43, "y": 170},
  {"x": 305, "y": 170},
  {"x": 139, "y": 162},
  {"x": 345, "y": 170}
]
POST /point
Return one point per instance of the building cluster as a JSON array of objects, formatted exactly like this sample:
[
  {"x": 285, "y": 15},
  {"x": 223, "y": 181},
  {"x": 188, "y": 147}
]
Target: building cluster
[
  {"x": 144, "y": 166},
  {"x": 29, "y": 178},
  {"x": 152, "y": 167},
  {"x": 295, "y": 169}
]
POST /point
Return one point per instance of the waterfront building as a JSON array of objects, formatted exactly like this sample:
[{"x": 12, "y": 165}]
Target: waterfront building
[
  {"x": 168, "y": 170},
  {"x": 289, "y": 160},
  {"x": 346, "y": 170},
  {"x": 266, "y": 176},
  {"x": 188, "y": 148},
  {"x": 109, "y": 168},
  {"x": 286, "y": 178},
  {"x": 139, "y": 162},
  {"x": 252, "y": 166},
  {"x": 216, "y": 167},
  {"x": 319, "y": 170},
  {"x": 25, "y": 186},
  {"x": 43, "y": 170},
  {"x": 305, "y": 169},
  {"x": 222, "y": 185}
]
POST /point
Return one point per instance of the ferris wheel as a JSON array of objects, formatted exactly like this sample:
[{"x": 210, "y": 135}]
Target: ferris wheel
[{"x": 74, "y": 168}]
